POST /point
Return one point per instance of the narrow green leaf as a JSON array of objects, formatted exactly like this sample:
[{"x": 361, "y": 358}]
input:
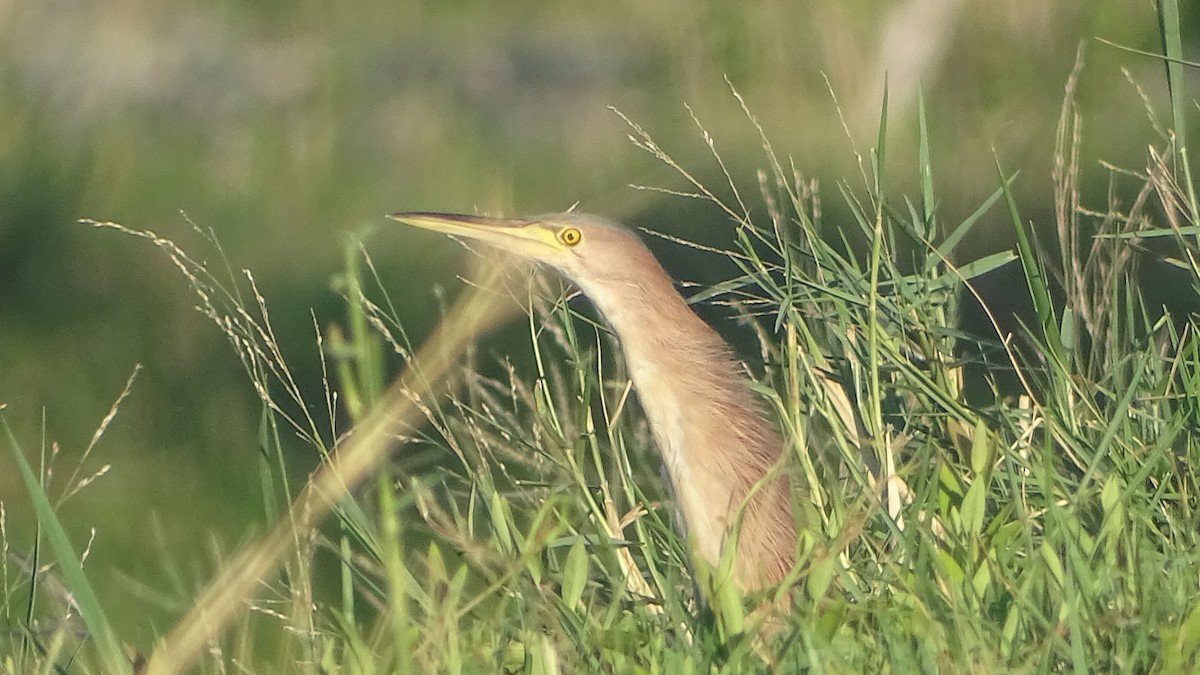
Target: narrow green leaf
[
  {"x": 1066, "y": 333},
  {"x": 981, "y": 450},
  {"x": 498, "y": 512},
  {"x": 973, "y": 507},
  {"x": 1053, "y": 564},
  {"x": 820, "y": 576},
  {"x": 90, "y": 609},
  {"x": 1152, "y": 233},
  {"x": 951, "y": 571},
  {"x": 880, "y": 153},
  {"x": 947, "y": 246},
  {"x": 982, "y": 580},
  {"x": 1035, "y": 275},
  {"x": 436, "y": 565},
  {"x": 575, "y": 574},
  {"x": 1114, "y": 515},
  {"x": 925, "y": 170},
  {"x": 1172, "y": 39}
]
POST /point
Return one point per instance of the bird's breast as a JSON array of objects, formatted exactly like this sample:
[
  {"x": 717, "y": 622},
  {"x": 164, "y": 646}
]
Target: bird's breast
[{"x": 702, "y": 495}]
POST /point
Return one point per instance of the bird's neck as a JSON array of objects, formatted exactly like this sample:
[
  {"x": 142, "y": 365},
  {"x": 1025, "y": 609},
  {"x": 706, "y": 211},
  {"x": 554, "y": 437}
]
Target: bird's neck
[
  {"x": 669, "y": 350},
  {"x": 706, "y": 422}
]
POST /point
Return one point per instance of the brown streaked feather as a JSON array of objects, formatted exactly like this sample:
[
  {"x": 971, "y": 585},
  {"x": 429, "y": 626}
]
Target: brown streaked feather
[{"x": 710, "y": 428}]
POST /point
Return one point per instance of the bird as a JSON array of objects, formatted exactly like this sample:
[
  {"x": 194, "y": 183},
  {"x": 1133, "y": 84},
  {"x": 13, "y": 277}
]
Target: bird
[{"x": 722, "y": 453}]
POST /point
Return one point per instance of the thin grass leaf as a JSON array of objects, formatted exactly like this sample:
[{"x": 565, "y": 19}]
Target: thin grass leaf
[
  {"x": 952, "y": 240},
  {"x": 925, "y": 170},
  {"x": 108, "y": 648},
  {"x": 1169, "y": 26},
  {"x": 1035, "y": 274}
]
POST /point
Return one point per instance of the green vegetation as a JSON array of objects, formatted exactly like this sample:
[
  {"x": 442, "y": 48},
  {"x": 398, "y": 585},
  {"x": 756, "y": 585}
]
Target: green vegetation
[{"x": 1017, "y": 498}]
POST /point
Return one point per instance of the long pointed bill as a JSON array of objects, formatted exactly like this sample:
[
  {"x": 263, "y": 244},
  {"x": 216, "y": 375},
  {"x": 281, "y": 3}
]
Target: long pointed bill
[
  {"x": 453, "y": 223},
  {"x": 524, "y": 237}
]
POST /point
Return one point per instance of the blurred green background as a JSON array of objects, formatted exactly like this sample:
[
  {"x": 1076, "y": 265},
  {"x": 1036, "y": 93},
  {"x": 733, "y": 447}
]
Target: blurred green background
[{"x": 284, "y": 127}]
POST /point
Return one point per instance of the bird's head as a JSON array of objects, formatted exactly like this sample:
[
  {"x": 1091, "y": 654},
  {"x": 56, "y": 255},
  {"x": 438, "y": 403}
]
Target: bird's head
[{"x": 590, "y": 250}]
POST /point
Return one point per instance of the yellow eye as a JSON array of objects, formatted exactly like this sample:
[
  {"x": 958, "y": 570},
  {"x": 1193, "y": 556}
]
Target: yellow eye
[{"x": 570, "y": 236}]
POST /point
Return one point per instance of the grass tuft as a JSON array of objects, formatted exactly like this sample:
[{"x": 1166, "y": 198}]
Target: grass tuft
[{"x": 990, "y": 501}]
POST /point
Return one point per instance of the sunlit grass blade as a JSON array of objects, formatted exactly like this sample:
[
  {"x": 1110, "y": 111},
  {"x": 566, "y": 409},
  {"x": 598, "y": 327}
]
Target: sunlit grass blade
[
  {"x": 1169, "y": 25},
  {"x": 108, "y": 647}
]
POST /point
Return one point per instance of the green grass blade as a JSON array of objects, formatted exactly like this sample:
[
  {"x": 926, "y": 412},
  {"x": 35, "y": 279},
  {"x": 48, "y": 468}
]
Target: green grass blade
[
  {"x": 1035, "y": 274},
  {"x": 109, "y": 648},
  {"x": 925, "y": 170},
  {"x": 1168, "y": 16},
  {"x": 880, "y": 153},
  {"x": 952, "y": 240}
]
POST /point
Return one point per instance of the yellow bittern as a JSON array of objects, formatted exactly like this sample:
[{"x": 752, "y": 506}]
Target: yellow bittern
[{"x": 719, "y": 449}]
